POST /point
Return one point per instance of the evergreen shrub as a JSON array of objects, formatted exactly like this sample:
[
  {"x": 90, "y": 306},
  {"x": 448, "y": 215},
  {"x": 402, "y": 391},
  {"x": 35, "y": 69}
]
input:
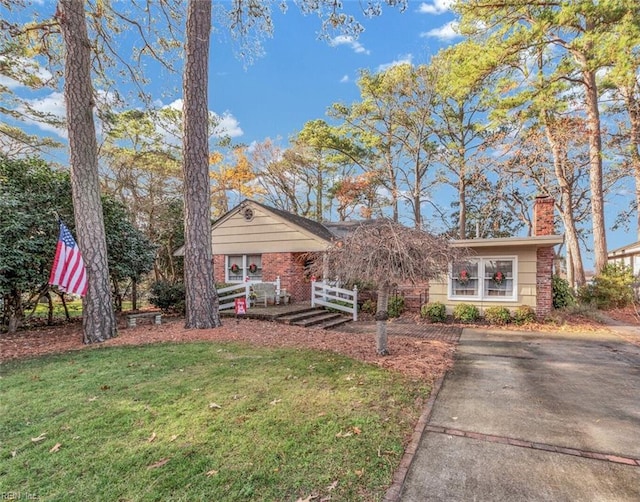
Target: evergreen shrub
[
  {"x": 434, "y": 312},
  {"x": 465, "y": 312}
]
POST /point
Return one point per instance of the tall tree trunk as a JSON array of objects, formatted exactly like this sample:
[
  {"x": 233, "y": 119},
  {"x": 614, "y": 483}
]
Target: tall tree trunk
[
  {"x": 633, "y": 110},
  {"x": 134, "y": 295},
  {"x": 98, "y": 319},
  {"x": 319, "y": 190},
  {"x": 462, "y": 201},
  {"x": 201, "y": 297},
  {"x": 382, "y": 315},
  {"x": 595, "y": 171},
  {"x": 393, "y": 183},
  {"x": 570, "y": 269},
  {"x": 575, "y": 274}
]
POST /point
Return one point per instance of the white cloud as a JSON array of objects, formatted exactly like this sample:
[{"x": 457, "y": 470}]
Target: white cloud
[
  {"x": 176, "y": 105},
  {"x": 345, "y": 79},
  {"x": 9, "y": 83},
  {"x": 357, "y": 47},
  {"x": 228, "y": 125},
  {"x": 447, "y": 32},
  {"x": 26, "y": 67},
  {"x": 52, "y": 104},
  {"x": 437, "y": 7},
  {"x": 406, "y": 59}
]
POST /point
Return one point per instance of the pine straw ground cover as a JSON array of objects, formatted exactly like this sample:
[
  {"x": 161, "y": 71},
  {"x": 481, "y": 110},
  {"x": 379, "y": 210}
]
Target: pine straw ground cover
[{"x": 421, "y": 359}]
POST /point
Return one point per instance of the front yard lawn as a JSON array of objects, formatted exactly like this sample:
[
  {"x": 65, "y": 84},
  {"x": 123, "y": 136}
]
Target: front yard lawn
[{"x": 202, "y": 421}]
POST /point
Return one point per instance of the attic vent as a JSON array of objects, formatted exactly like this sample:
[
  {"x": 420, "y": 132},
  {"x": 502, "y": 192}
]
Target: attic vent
[{"x": 248, "y": 214}]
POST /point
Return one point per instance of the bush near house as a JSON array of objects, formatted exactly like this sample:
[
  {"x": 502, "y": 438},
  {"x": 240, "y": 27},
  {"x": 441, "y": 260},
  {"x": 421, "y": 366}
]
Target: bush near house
[
  {"x": 369, "y": 307},
  {"x": 434, "y": 312},
  {"x": 562, "y": 294},
  {"x": 497, "y": 315},
  {"x": 168, "y": 296},
  {"x": 465, "y": 312},
  {"x": 612, "y": 288},
  {"x": 524, "y": 314},
  {"x": 396, "y": 306}
]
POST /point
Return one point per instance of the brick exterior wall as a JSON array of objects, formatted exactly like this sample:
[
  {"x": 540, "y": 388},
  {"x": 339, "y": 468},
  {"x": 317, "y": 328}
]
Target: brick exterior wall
[
  {"x": 544, "y": 289},
  {"x": 218, "y": 268},
  {"x": 414, "y": 295},
  {"x": 289, "y": 266},
  {"x": 543, "y": 216}
]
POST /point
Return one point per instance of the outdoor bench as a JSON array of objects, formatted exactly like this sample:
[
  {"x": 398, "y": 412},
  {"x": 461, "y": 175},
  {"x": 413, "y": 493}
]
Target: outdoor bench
[{"x": 133, "y": 318}]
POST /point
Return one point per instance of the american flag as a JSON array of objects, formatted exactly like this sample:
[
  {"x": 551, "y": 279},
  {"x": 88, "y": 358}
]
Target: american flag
[{"x": 68, "y": 271}]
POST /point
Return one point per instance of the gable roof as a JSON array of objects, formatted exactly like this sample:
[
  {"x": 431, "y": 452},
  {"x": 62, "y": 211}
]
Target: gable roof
[
  {"x": 320, "y": 235},
  {"x": 311, "y": 226}
]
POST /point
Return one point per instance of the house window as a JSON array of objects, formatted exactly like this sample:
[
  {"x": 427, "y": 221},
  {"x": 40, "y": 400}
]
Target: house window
[
  {"x": 244, "y": 267},
  {"x": 485, "y": 278}
]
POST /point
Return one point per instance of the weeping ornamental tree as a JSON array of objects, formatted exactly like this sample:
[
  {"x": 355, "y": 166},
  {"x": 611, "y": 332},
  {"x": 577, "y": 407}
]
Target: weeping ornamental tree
[{"x": 387, "y": 253}]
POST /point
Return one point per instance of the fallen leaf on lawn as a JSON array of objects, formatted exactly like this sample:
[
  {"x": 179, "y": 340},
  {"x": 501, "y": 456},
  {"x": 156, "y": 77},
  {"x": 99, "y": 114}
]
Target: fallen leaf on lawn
[
  {"x": 173, "y": 438},
  {"x": 332, "y": 486},
  {"x": 93, "y": 398},
  {"x": 14, "y": 453},
  {"x": 55, "y": 448},
  {"x": 344, "y": 434},
  {"x": 105, "y": 387},
  {"x": 357, "y": 430},
  {"x": 159, "y": 463},
  {"x": 214, "y": 406},
  {"x": 41, "y": 437},
  {"x": 308, "y": 499},
  {"x": 151, "y": 438},
  {"x": 212, "y": 472},
  {"x": 359, "y": 472},
  {"x": 276, "y": 401}
]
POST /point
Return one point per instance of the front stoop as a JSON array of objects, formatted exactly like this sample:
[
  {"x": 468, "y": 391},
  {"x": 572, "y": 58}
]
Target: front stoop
[{"x": 316, "y": 318}]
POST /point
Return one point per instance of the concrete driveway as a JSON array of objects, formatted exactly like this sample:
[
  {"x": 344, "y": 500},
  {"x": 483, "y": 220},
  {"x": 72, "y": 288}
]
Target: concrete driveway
[{"x": 528, "y": 417}]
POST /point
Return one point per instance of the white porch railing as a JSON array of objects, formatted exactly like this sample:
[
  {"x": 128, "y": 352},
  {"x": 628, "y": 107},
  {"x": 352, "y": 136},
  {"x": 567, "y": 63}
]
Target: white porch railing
[
  {"x": 344, "y": 300},
  {"x": 227, "y": 295}
]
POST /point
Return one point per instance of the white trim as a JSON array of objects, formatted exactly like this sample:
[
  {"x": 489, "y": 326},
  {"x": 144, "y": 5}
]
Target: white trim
[
  {"x": 244, "y": 268},
  {"x": 537, "y": 240},
  {"x": 482, "y": 296}
]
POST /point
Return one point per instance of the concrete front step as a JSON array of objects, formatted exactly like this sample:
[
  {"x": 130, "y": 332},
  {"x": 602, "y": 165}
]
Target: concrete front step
[{"x": 318, "y": 318}]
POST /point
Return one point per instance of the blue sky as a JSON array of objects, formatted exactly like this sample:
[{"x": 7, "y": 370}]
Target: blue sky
[
  {"x": 299, "y": 76},
  {"x": 296, "y": 79}
]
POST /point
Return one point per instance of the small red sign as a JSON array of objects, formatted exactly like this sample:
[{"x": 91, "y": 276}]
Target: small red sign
[{"x": 241, "y": 306}]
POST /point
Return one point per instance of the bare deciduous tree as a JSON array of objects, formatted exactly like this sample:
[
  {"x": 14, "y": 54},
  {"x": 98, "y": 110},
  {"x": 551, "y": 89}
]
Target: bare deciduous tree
[{"x": 387, "y": 253}]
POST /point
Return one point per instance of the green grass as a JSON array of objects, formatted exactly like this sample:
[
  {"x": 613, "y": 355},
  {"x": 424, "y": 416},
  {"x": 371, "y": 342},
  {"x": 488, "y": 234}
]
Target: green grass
[
  {"x": 74, "y": 307},
  {"x": 290, "y": 423}
]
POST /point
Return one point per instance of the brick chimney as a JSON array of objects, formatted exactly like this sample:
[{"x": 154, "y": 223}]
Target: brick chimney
[{"x": 543, "y": 211}]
